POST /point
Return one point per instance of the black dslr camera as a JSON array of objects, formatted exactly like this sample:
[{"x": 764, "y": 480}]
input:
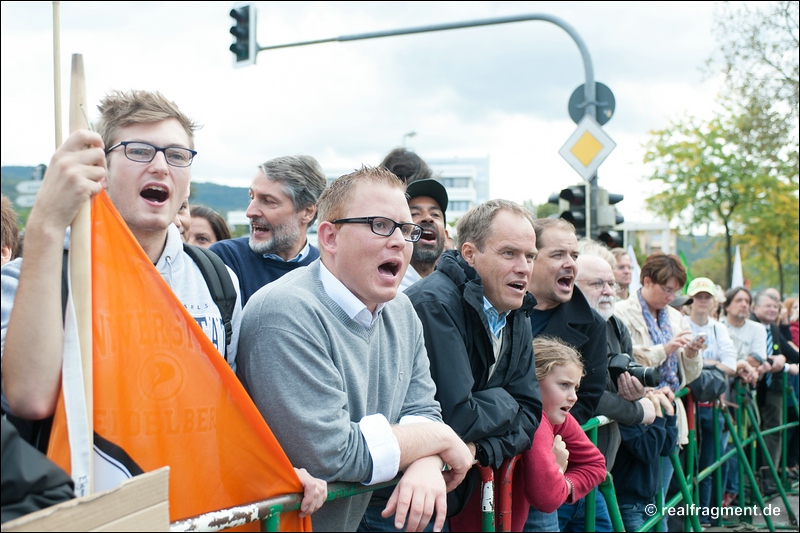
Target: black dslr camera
[{"x": 649, "y": 376}]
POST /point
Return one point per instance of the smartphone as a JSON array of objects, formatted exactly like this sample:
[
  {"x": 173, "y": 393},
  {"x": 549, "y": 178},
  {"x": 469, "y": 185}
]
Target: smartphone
[{"x": 699, "y": 336}]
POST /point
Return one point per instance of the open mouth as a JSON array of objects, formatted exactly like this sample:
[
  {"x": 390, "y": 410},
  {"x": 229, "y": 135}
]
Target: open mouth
[
  {"x": 518, "y": 286},
  {"x": 258, "y": 228},
  {"x": 155, "y": 194},
  {"x": 565, "y": 410},
  {"x": 389, "y": 268},
  {"x": 428, "y": 235},
  {"x": 565, "y": 282}
]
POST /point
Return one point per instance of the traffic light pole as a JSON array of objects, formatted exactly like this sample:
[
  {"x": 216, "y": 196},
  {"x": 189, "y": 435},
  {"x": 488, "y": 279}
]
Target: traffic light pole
[{"x": 589, "y": 88}]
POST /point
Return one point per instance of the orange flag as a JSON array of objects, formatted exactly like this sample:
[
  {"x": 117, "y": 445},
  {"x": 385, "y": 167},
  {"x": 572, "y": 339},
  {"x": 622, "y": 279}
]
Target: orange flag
[{"x": 164, "y": 396}]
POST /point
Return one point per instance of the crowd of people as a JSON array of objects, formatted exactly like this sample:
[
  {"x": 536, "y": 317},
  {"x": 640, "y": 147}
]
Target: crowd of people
[{"x": 391, "y": 347}]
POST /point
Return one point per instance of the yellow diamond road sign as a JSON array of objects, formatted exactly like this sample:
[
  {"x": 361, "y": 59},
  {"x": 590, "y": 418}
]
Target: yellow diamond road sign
[{"x": 587, "y": 147}]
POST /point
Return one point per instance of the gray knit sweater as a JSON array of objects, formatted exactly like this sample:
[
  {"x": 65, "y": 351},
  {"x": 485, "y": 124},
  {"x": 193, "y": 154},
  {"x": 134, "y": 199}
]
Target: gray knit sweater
[{"x": 314, "y": 373}]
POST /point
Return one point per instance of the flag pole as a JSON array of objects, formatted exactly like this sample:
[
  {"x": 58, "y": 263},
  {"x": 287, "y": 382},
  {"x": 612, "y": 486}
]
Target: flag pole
[
  {"x": 57, "y": 71},
  {"x": 81, "y": 253}
]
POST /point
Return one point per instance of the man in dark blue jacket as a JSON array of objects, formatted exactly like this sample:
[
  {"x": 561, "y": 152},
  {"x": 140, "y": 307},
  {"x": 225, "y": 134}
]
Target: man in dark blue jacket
[
  {"x": 474, "y": 311},
  {"x": 283, "y": 205}
]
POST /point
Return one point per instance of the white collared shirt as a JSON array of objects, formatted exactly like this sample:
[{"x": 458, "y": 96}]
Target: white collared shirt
[
  {"x": 348, "y": 301},
  {"x": 381, "y": 441}
]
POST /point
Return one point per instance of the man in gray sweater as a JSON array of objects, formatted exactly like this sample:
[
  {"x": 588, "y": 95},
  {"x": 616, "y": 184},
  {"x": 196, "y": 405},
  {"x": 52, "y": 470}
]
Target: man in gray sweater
[{"x": 335, "y": 360}]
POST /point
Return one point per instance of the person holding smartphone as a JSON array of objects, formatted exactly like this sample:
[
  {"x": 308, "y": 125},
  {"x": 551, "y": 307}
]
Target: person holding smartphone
[{"x": 720, "y": 352}]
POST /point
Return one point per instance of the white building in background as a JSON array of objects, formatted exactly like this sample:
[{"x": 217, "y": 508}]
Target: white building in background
[{"x": 466, "y": 181}]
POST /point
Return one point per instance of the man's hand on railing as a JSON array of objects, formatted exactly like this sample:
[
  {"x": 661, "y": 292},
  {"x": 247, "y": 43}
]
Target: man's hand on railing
[
  {"x": 419, "y": 493},
  {"x": 649, "y": 411},
  {"x": 315, "y": 491},
  {"x": 746, "y": 372}
]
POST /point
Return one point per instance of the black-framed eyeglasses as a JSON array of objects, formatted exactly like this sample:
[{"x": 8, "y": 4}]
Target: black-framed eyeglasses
[
  {"x": 600, "y": 283},
  {"x": 385, "y": 226},
  {"x": 142, "y": 152}
]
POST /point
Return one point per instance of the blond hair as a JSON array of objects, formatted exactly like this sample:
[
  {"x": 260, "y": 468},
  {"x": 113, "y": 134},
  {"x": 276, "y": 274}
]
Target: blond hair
[
  {"x": 550, "y": 352},
  {"x": 121, "y": 109},
  {"x": 335, "y": 199}
]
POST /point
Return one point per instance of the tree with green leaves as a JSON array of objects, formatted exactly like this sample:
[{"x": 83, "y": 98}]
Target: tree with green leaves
[
  {"x": 739, "y": 170},
  {"x": 721, "y": 173}
]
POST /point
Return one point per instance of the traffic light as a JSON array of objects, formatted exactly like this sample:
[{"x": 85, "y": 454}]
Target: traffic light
[
  {"x": 612, "y": 239},
  {"x": 608, "y": 218},
  {"x": 574, "y": 207},
  {"x": 607, "y": 214},
  {"x": 244, "y": 30}
]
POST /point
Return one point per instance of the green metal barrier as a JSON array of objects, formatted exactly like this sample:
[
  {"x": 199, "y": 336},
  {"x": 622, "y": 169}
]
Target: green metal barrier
[
  {"x": 496, "y": 485},
  {"x": 759, "y": 439}
]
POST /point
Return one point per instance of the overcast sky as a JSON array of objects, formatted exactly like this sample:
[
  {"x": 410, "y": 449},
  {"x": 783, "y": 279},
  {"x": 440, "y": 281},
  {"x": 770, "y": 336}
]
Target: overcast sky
[{"x": 499, "y": 91}]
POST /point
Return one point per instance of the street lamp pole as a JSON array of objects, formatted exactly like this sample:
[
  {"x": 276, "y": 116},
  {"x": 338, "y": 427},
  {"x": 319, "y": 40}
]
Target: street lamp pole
[
  {"x": 407, "y": 135},
  {"x": 589, "y": 104}
]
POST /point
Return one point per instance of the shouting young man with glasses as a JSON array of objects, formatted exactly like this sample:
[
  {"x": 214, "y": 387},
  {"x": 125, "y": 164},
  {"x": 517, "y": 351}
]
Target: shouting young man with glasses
[
  {"x": 141, "y": 155},
  {"x": 146, "y": 172},
  {"x": 334, "y": 358}
]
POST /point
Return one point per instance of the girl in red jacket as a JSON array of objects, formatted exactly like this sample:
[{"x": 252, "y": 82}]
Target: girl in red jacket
[{"x": 562, "y": 465}]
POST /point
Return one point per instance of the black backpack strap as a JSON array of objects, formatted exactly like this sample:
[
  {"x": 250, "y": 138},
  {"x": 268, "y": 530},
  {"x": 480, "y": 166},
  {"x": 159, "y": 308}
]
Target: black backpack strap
[{"x": 219, "y": 284}]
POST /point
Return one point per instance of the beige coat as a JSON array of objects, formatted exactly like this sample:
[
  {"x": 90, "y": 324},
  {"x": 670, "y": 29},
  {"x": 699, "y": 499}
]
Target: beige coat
[{"x": 648, "y": 354}]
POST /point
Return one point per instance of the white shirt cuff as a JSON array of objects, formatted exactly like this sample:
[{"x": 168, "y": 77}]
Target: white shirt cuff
[
  {"x": 414, "y": 419},
  {"x": 383, "y": 448}
]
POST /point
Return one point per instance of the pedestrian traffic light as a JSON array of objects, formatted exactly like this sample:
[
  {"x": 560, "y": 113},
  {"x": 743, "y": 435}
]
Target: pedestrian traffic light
[
  {"x": 574, "y": 207},
  {"x": 244, "y": 47}
]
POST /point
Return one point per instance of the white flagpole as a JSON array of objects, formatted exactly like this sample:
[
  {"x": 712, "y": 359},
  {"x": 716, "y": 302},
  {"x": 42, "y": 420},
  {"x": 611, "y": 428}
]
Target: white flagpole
[{"x": 80, "y": 261}]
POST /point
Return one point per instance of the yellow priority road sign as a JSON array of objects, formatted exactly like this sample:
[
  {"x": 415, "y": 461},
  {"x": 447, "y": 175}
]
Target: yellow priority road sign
[{"x": 587, "y": 148}]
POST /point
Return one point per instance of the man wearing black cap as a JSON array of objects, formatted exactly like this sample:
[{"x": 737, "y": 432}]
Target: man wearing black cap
[{"x": 428, "y": 203}]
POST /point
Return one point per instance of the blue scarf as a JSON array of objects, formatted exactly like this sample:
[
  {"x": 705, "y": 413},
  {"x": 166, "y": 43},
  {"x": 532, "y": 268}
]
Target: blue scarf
[{"x": 661, "y": 333}]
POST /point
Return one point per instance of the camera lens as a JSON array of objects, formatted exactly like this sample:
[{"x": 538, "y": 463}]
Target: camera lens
[{"x": 649, "y": 376}]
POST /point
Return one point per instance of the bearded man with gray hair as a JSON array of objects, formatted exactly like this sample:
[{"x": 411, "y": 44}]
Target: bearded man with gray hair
[{"x": 283, "y": 205}]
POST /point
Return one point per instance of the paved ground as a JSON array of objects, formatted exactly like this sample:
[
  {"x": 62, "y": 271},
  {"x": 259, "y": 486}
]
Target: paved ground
[{"x": 781, "y": 519}]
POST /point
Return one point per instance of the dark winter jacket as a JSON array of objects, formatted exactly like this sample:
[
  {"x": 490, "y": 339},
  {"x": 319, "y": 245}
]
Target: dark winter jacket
[
  {"x": 611, "y": 404},
  {"x": 636, "y": 472},
  {"x": 498, "y": 414},
  {"x": 30, "y": 480}
]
